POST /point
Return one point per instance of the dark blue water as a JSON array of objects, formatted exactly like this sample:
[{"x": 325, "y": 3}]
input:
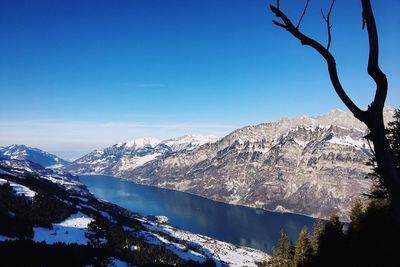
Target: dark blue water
[{"x": 235, "y": 224}]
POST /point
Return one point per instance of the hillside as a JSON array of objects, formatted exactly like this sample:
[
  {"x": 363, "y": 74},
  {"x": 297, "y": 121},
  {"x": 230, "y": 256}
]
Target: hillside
[{"x": 42, "y": 214}]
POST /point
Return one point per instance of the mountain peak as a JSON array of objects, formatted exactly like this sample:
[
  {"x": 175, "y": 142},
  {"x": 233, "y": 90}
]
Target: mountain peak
[
  {"x": 142, "y": 142},
  {"x": 23, "y": 152}
]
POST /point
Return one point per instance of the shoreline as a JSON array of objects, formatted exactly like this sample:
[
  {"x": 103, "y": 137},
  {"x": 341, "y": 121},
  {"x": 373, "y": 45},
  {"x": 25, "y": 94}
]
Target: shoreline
[{"x": 215, "y": 200}]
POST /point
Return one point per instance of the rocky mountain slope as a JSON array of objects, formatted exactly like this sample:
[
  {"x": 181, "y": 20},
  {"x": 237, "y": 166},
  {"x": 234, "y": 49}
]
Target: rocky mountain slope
[
  {"x": 306, "y": 165},
  {"x": 122, "y": 158},
  {"x": 22, "y": 152}
]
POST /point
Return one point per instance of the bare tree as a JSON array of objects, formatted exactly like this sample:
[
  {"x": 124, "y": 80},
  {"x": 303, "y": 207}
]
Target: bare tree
[{"x": 373, "y": 116}]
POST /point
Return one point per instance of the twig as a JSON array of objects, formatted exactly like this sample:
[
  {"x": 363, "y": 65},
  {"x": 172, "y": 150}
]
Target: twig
[
  {"x": 302, "y": 15},
  {"x": 328, "y": 23}
]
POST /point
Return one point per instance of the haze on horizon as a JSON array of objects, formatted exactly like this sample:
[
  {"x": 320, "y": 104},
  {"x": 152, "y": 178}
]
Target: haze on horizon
[{"x": 75, "y": 76}]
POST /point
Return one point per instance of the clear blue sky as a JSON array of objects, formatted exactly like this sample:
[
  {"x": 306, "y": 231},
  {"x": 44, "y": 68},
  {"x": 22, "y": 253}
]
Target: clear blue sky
[{"x": 76, "y": 75}]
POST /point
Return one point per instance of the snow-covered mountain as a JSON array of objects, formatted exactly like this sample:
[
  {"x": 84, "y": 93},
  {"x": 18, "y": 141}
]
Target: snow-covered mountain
[
  {"x": 306, "y": 165},
  {"x": 122, "y": 158},
  {"x": 22, "y": 152}
]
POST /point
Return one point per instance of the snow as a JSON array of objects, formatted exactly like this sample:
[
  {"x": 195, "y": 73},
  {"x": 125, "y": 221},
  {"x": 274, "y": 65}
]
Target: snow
[
  {"x": 108, "y": 216},
  {"x": 142, "y": 142},
  {"x": 347, "y": 141},
  {"x": 118, "y": 263},
  {"x": 72, "y": 230},
  {"x": 128, "y": 163},
  {"x": 6, "y": 238},
  {"x": 4, "y": 172},
  {"x": 20, "y": 189},
  {"x": 56, "y": 166},
  {"x": 301, "y": 143},
  {"x": 84, "y": 199},
  {"x": 178, "y": 249},
  {"x": 80, "y": 205},
  {"x": 189, "y": 142},
  {"x": 223, "y": 254}
]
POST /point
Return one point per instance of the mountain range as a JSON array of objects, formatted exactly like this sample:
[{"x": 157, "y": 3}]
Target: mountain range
[
  {"x": 122, "y": 158},
  {"x": 307, "y": 165}
]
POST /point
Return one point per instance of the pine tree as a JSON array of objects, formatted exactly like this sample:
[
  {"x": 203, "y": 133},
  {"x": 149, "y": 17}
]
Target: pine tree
[
  {"x": 356, "y": 215},
  {"x": 317, "y": 232},
  {"x": 282, "y": 255},
  {"x": 393, "y": 136},
  {"x": 331, "y": 251},
  {"x": 303, "y": 251}
]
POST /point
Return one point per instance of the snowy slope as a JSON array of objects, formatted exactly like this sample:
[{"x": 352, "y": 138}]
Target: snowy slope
[
  {"x": 22, "y": 152},
  {"x": 71, "y": 230},
  {"x": 124, "y": 157},
  {"x": 75, "y": 229}
]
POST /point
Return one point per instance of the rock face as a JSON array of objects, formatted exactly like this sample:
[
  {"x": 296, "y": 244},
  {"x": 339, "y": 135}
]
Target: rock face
[
  {"x": 22, "y": 152},
  {"x": 307, "y": 165}
]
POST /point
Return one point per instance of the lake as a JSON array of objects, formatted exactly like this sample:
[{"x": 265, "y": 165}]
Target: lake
[{"x": 238, "y": 225}]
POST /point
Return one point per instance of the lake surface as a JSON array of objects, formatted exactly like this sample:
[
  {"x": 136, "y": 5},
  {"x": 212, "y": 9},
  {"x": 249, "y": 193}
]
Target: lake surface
[{"x": 235, "y": 224}]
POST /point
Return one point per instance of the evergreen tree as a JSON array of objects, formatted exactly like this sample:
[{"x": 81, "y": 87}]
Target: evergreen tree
[
  {"x": 282, "y": 255},
  {"x": 331, "y": 251},
  {"x": 378, "y": 190},
  {"x": 317, "y": 232},
  {"x": 393, "y": 136},
  {"x": 303, "y": 251},
  {"x": 356, "y": 216}
]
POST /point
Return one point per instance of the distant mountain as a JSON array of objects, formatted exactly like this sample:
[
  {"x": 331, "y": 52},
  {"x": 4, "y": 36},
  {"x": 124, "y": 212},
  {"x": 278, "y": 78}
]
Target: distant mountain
[
  {"x": 65, "y": 180},
  {"x": 122, "y": 158},
  {"x": 22, "y": 152}
]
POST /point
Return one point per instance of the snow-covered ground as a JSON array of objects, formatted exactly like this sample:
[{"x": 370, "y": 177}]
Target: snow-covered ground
[
  {"x": 72, "y": 230},
  {"x": 224, "y": 254},
  {"x": 20, "y": 189},
  {"x": 6, "y": 238}
]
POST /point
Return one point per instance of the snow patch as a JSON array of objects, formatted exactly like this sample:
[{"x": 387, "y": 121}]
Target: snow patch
[
  {"x": 347, "y": 141},
  {"x": 142, "y": 142},
  {"x": 20, "y": 189},
  {"x": 6, "y": 238},
  {"x": 72, "y": 230}
]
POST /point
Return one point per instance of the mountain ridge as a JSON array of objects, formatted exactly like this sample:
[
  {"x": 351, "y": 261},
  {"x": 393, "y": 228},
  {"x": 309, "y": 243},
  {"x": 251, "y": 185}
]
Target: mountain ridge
[{"x": 23, "y": 152}]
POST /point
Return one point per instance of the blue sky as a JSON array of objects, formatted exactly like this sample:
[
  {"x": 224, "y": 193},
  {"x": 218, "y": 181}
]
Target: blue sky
[{"x": 78, "y": 75}]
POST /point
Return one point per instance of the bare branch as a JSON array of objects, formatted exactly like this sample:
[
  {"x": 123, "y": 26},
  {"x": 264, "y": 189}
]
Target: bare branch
[
  {"x": 302, "y": 15},
  {"x": 279, "y": 24},
  {"x": 277, "y": 4},
  {"x": 328, "y": 23},
  {"x": 373, "y": 62},
  {"x": 305, "y": 40}
]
